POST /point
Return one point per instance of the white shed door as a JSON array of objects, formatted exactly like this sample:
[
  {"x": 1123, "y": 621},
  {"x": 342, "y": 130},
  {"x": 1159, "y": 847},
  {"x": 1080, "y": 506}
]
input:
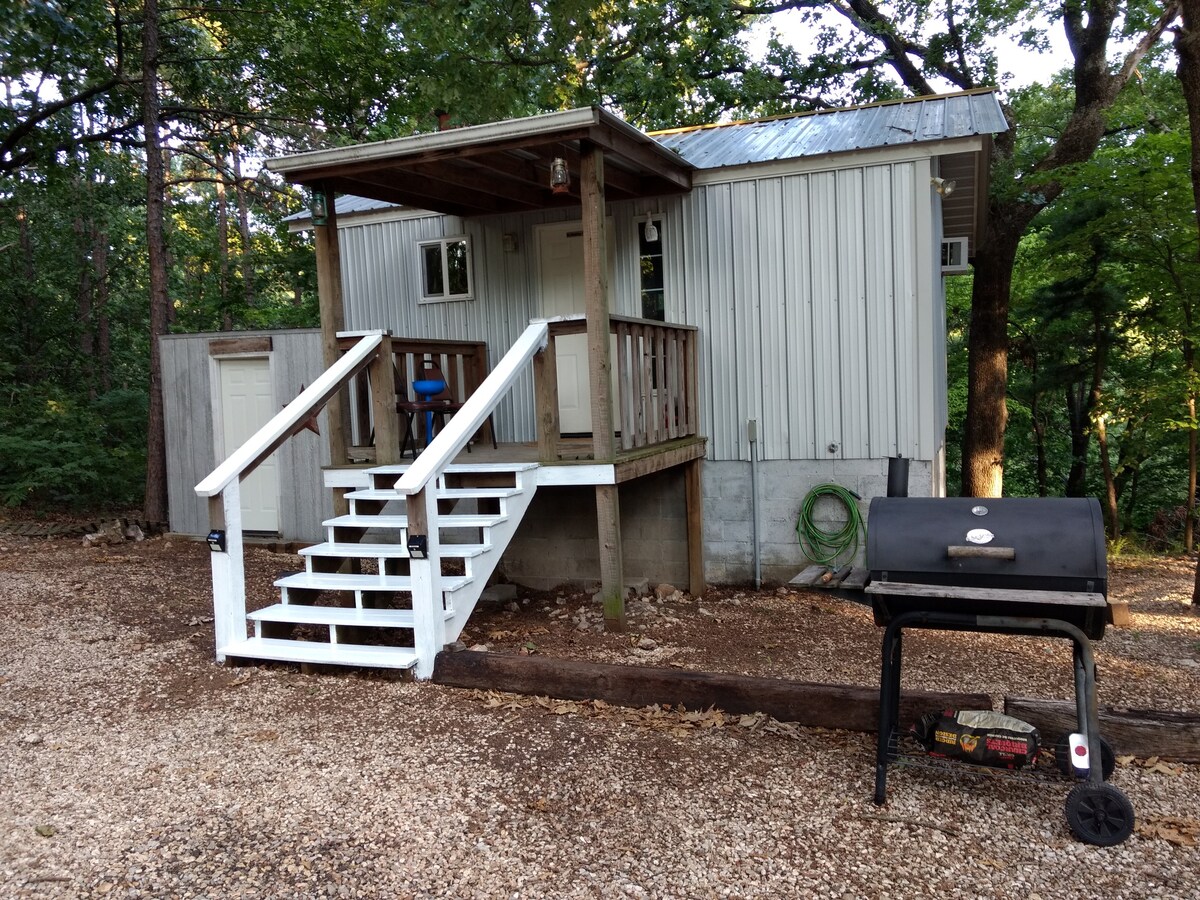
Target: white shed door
[
  {"x": 247, "y": 405},
  {"x": 560, "y": 259}
]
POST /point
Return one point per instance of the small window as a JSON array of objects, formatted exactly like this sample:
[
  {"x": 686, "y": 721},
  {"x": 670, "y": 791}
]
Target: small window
[
  {"x": 446, "y": 270},
  {"x": 651, "y": 253}
]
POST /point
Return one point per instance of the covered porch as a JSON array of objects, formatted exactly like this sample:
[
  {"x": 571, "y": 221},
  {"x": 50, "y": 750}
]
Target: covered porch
[{"x": 641, "y": 374}]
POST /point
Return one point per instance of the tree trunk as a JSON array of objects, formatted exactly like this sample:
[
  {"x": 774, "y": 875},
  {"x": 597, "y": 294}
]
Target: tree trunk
[
  {"x": 28, "y": 367},
  {"x": 1189, "y": 524},
  {"x": 1077, "y": 418},
  {"x": 100, "y": 310},
  {"x": 155, "y": 508},
  {"x": 83, "y": 307},
  {"x": 1039, "y": 441},
  {"x": 1110, "y": 485},
  {"x": 243, "y": 208},
  {"x": 223, "y": 255},
  {"x": 987, "y": 346},
  {"x": 1187, "y": 45}
]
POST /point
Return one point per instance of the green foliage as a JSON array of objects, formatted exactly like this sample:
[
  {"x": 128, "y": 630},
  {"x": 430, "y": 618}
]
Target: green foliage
[{"x": 64, "y": 452}]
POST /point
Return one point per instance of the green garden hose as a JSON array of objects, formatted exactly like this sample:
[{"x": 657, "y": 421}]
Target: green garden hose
[{"x": 823, "y": 547}]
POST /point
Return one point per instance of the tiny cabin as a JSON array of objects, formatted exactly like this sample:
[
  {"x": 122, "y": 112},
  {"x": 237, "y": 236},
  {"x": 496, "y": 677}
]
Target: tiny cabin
[{"x": 618, "y": 323}]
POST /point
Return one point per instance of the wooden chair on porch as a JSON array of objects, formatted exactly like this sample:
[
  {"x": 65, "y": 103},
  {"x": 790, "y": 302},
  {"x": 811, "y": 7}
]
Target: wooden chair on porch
[{"x": 433, "y": 402}]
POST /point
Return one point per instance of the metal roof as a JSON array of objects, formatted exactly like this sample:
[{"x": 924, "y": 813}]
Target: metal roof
[
  {"x": 891, "y": 124},
  {"x": 498, "y": 167},
  {"x": 921, "y": 120}
]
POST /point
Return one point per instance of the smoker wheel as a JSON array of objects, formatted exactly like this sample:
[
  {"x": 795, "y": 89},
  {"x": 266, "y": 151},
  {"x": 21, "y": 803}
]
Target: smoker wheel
[
  {"x": 1062, "y": 758},
  {"x": 1099, "y": 814}
]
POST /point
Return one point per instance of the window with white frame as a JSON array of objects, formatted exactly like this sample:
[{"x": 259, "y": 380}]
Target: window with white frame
[{"x": 446, "y": 270}]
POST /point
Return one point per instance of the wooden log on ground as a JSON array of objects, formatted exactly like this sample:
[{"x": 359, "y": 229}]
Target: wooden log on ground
[
  {"x": 1118, "y": 614},
  {"x": 856, "y": 580},
  {"x": 1141, "y": 732},
  {"x": 809, "y": 576},
  {"x": 851, "y": 707}
]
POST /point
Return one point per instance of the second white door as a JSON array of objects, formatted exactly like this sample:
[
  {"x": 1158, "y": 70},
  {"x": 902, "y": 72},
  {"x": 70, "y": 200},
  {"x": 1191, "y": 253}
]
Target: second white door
[{"x": 560, "y": 260}]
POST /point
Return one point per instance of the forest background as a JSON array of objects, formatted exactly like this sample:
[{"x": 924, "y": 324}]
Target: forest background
[{"x": 133, "y": 201}]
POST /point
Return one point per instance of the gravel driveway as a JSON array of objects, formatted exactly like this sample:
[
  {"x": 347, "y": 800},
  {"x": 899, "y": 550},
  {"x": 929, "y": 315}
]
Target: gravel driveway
[{"x": 134, "y": 766}]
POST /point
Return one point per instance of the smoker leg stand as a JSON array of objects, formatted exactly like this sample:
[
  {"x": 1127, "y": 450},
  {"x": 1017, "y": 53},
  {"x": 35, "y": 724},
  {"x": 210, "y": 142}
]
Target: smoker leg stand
[
  {"x": 889, "y": 705},
  {"x": 1097, "y": 813},
  {"x": 1087, "y": 711}
]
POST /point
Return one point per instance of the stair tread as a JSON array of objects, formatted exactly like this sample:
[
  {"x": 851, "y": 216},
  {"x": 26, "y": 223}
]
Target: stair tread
[
  {"x": 358, "y": 520},
  {"x": 319, "y": 652},
  {"x": 388, "y": 551},
  {"x": 337, "y": 581},
  {"x": 467, "y": 493},
  {"x": 302, "y": 614},
  {"x": 443, "y": 493},
  {"x": 456, "y": 468}
]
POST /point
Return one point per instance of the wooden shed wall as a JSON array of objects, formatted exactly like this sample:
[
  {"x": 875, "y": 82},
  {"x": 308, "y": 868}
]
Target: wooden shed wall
[{"x": 191, "y": 454}]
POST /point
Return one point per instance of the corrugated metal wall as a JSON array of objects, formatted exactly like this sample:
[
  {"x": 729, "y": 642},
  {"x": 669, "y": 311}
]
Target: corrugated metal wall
[
  {"x": 188, "y": 412},
  {"x": 819, "y": 314},
  {"x": 818, "y": 310}
]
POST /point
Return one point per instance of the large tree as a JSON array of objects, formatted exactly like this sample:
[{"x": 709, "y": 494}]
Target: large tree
[{"x": 1187, "y": 45}]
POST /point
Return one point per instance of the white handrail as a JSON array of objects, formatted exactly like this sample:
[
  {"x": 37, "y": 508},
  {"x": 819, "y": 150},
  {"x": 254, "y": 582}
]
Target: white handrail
[
  {"x": 285, "y": 422},
  {"x": 451, "y": 439}
]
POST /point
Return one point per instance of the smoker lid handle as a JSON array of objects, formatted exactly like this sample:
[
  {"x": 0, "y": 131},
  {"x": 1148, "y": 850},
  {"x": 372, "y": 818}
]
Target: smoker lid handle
[{"x": 953, "y": 552}]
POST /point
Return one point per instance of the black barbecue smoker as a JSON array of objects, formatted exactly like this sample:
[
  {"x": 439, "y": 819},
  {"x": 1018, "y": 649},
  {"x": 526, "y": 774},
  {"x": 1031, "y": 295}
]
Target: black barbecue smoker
[{"x": 1015, "y": 566}]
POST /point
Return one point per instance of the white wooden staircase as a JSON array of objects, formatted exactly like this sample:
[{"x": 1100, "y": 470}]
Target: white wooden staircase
[
  {"x": 412, "y": 556},
  {"x": 363, "y": 567}
]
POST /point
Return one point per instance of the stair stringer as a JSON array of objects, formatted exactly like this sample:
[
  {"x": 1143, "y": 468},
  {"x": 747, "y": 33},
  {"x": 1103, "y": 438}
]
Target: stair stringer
[{"x": 482, "y": 566}]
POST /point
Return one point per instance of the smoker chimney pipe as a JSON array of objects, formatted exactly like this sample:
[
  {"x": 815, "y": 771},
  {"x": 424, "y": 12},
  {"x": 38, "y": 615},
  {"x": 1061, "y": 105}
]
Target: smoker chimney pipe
[{"x": 897, "y": 483}]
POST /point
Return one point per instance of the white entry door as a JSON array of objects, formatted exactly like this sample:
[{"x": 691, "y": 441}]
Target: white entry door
[
  {"x": 247, "y": 404},
  {"x": 560, "y": 260}
]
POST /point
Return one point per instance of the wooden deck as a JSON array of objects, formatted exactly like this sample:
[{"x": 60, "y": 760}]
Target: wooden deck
[{"x": 578, "y": 468}]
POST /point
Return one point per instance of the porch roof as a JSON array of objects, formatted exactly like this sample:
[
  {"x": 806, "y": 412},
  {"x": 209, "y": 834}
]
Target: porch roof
[{"x": 495, "y": 168}]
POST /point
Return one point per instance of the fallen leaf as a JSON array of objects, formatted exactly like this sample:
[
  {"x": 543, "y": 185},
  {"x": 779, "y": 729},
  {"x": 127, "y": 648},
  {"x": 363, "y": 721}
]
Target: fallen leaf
[
  {"x": 1161, "y": 768},
  {"x": 1177, "y": 830}
]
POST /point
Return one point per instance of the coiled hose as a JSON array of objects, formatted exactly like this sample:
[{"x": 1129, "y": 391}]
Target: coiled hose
[{"x": 823, "y": 547}]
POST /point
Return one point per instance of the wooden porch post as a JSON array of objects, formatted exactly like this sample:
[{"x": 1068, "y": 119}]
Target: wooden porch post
[
  {"x": 694, "y": 493},
  {"x": 383, "y": 414},
  {"x": 333, "y": 320},
  {"x": 595, "y": 277}
]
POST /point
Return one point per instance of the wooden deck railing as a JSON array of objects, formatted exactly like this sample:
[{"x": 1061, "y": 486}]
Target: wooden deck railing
[
  {"x": 463, "y": 363},
  {"x": 655, "y": 397}
]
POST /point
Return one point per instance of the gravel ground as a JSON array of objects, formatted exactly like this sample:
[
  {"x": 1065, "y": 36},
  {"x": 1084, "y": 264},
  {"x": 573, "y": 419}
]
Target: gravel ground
[{"x": 134, "y": 766}]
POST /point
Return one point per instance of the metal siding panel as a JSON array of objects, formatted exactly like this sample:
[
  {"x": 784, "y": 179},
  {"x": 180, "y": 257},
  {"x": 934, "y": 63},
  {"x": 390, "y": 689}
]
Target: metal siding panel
[
  {"x": 799, "y": 355},
  {"x": 825, "y": 333},
  {"x": 881, "y": 324},
  {"x": 852, "y": 315},
  {"x": 747, "y": 375},
  {"x": 724, "y": 365},
  {"x": 927, "y": 261},
  {"x": 905, "y": 189},
  {"x": 772, "y": 323}
]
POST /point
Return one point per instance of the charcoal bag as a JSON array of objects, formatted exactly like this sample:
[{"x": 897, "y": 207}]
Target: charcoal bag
[{"x": 982, "y": 737}]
